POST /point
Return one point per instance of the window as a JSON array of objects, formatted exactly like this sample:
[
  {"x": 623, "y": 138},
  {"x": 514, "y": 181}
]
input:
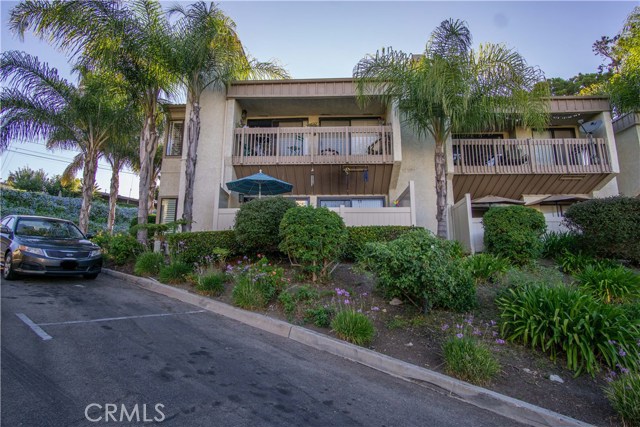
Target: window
[
  {"x": 168, "y": 210},
  {"x": 174, "y": 143},
  {"x": 352, "y": 203}
]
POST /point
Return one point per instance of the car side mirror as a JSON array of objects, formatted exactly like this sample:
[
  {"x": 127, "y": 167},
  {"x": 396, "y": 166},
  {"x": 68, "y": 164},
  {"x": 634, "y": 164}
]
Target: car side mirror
[
  {"x": 5, "y": 230},
  {"x": 90, "y": 235}
]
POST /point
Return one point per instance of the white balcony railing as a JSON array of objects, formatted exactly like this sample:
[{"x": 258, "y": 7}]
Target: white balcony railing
[
  {"x": 530, "y": 156},
  {"x": 313, "y": 145}
]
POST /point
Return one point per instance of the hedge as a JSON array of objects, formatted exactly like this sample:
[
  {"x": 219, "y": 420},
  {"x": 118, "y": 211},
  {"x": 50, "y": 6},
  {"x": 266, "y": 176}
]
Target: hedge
[
  {"x": 609, "y": 227},
  {"x": 192, "y": 247},
  {"x": 358, "y": 237}
]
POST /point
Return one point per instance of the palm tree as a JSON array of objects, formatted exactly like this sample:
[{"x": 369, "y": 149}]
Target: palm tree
[
  {"x": 208, "y": 55},
  {"x": 131, "y": 39},
  {"x": 454, "y": 88},
  {"x": 40, "y": 104}
]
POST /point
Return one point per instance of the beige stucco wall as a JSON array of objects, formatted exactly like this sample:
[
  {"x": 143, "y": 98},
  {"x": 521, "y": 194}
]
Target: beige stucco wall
[
  {"x": 418, "y": 165},
  {"x": 628, "y": 146},
  {"x": 209, "y": 162}
]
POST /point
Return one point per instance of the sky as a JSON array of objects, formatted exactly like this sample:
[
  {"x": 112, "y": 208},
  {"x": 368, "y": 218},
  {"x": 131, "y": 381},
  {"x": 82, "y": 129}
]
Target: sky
[{"x": 326, "y": 39}]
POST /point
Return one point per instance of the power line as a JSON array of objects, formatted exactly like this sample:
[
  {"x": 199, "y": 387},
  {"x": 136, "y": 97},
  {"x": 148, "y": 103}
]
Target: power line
[{"x": 59, "y": 160}]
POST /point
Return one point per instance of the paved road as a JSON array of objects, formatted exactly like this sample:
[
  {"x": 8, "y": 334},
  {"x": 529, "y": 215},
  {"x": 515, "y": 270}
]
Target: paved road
[{"x": 204, "y": 369}]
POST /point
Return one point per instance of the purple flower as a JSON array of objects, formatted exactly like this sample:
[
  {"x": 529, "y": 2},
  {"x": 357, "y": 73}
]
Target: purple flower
[
  {"x": 499, "y": 341},
  {"x": 347, "y": 302},
  {"x": 476, "y": 331},
  {"x": 376, "y": 308},
  {"x": 624, "y": 370},
  {"x": 459, "y": 335},
  {"x": 495, "y": 334},
  {"x": 458, "y": 326},
  {"x": 245, "y": 257},
  {"x": 469, "y": 320},
  {"x": 612, "y": 342},
  {"x": 445, "y": 327},
  {"x": 359, "y": 310},
  {"x": 364, "y": 294},
  {"x": 622, "y": 353},
  {"x": 493, "y": 323},
  {"x": 346, "y": 294},
  {"x": 239, "y": 262}
]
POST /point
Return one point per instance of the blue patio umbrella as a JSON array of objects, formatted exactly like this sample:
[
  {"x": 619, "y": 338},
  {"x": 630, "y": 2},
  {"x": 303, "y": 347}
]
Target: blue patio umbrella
[{"x": 259, "y": 183}]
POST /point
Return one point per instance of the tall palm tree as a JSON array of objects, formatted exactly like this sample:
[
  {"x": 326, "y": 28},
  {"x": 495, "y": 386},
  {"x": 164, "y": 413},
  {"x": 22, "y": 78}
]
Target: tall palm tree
[
  {"x": 40, "y": 104},
  {"x": 208, "y": 54},
  {"x": 454, "y": 88},
  {"x": 131, "y": 39}
]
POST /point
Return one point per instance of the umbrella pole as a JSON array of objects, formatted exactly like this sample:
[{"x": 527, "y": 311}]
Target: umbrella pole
[{"x": 259, "y": 191}]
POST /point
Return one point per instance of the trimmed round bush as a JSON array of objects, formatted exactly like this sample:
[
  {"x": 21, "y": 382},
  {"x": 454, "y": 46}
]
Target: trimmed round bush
[
  {"x": 123, "y": 248},
  {"x": 148, "y": 263},
  {"x": 314, "y": 238},
  {"x": 257, "y": 223},
  {"x": 514, "y": 232},
  {"x": 196, "y": 246},
  {"x": 354, "y": 327},
  {"x": 469, "y": 360},
  {"x": 609, "y": 227},
  {"x": 423, "y": 269}
]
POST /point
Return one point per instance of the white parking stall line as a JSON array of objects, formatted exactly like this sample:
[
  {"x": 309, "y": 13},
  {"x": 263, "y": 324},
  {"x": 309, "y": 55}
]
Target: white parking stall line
[
  {"x": 109, "y": 319},
  {"x": 35, "y": 328}
]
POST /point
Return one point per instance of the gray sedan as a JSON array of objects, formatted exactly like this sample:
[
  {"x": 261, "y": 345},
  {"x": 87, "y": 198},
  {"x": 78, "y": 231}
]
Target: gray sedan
[{"x": 46, "y": 246}]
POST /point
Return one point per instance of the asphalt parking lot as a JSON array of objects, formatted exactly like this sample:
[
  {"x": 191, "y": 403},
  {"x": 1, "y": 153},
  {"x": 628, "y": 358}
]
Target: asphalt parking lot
[{"x": 78, "y": 352}]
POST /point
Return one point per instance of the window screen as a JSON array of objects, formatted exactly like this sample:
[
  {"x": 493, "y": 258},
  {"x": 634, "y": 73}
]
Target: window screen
[
  {"x": 174, "y": 144},
  {"x": 168, "y": 210}
]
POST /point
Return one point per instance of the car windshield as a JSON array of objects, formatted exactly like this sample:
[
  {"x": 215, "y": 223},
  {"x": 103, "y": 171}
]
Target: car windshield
[{"x": 42, "y": 227}]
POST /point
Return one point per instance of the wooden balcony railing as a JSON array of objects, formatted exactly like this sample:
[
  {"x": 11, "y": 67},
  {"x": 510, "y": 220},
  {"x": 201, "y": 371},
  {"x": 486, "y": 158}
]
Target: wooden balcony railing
[
  {"x": 313, "y": 145},
  {"x": 531, "y": 156}
]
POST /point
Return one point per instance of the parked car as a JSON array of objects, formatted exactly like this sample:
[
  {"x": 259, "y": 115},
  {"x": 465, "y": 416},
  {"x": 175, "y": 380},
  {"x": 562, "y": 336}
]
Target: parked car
[{"x": 46, "y": 246}]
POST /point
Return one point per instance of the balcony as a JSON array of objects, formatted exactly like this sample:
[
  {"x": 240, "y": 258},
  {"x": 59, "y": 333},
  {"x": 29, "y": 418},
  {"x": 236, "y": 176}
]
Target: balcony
[
  {"x": 512, "y": 167},
  {"x": 530, "y": 156},
  {"x": 313, "y": 146}
]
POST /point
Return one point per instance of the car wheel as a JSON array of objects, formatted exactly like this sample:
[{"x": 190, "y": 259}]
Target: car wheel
[
  {"x": 92, "y": 276},
  {"x": 7, "y": 271}
]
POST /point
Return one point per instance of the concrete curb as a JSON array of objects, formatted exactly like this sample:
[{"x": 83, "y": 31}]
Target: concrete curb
[{"x": 505, "y": 406}]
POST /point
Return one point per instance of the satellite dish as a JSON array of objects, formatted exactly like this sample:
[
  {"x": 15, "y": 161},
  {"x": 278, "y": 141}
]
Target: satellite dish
[{"x": 589, "y": 127}]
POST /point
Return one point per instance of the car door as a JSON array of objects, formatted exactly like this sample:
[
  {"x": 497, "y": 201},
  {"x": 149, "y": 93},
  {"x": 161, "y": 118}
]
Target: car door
[{"x": 5, "y": 238}]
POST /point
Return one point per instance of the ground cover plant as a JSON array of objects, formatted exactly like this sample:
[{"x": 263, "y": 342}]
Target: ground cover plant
[
  {"x": 610, "y": 284},
  {"x": 623, "y": 392},
  {"x": 175, "y": 272},
  {"x": 469, "y": 360},
  {"x": 148, "y": 263}
]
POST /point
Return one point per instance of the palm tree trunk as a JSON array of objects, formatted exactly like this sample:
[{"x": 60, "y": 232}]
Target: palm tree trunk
[
  {"x": 88, "y": 182},
  {"x": 193, "y": 135},
  {"x": 148, "y": 146},
  {"x": 113, "y": 194},
  {"x": 441, "y": 190}
]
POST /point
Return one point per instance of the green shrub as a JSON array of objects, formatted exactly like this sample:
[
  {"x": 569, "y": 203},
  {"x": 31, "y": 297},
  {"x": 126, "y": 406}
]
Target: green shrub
[
  {"x": 358, "y": 237},
  {"x": 423, "y": 269},
  {"x": 258, "y": 224},
  {"x": 560, "y": 319},
  {"x": 469, "y": 360},
  {"x": 609, "y": 227},
  {"x": 194, "y": 247},
  {"x": 632, "y": 310},
  {"x": 314, "y": 238},
  {"x": 212, "y": 284},
  {"x": 148, "y": 263},
  {"x": 574, "y": 263},
  {"x": 176, "y": 272},
  {"x": 610, "y": 284},
  {"x": 514, "y": 232},
  {"x": 556, "y": 244},
  {"x": 151, "y": 219},
  {"x": 624, "y": 395},
  {"x": 122, "y": 248},
  {"x": 320, "y": 316},
  {"x": 247, "y": 295},
  {"x": 288, "y": 303},
  {"x": 486, "y": 267},
  {"x": 354, "y": 327}
]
